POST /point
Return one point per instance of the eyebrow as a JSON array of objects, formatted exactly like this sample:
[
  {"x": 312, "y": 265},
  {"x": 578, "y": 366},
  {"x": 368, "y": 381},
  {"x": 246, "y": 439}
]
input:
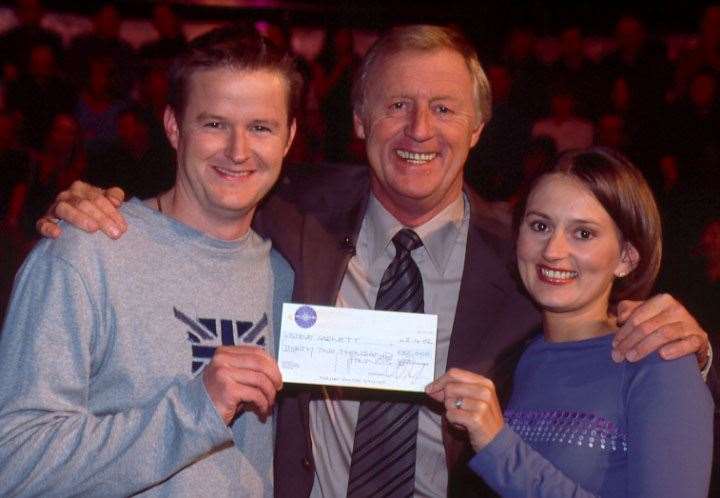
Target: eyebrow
[
  {"x": 204, "y": 116},
  {"x": 270, "y": 122},
  {"x": 532, "y": 212},
  {"x": 574, "y": 220},
  {"x": 432, "y": 99}
]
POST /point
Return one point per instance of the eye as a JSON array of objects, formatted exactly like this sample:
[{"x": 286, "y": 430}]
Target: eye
[
  {"x": 442, "y": 109},
  {"x": 398, "y": 106},
  {"x": 538, "y": 226},
  {"x": 258, "y": 128},
  {"x": 215, "y": 125},
  {"x": 584, "y": 234}
]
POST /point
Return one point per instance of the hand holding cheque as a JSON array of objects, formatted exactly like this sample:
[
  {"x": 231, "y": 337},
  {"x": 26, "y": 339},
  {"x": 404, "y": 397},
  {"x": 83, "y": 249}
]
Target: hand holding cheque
[
  {"x": 242, "y": 378},
  {"x": 383, "y": 350}
]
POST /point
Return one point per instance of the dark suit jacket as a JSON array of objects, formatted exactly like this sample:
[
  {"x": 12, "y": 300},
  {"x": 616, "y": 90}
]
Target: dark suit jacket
[{"x": 314, "y": 218}]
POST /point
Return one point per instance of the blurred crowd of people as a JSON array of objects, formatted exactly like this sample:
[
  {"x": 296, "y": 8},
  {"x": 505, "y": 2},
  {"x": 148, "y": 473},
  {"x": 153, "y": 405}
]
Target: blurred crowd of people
[{"x": 92, "y": 109}]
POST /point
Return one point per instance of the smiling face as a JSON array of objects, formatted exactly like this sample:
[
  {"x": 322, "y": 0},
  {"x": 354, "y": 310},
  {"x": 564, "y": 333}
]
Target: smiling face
[
  {"x": 230, "y": 145},
  {"x": 419, "y": 119},
  {"x": 569, "y": 249}
]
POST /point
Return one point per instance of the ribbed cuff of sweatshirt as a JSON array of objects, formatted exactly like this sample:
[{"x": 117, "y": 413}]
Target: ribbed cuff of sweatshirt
[{"x": 207, "y": 415}]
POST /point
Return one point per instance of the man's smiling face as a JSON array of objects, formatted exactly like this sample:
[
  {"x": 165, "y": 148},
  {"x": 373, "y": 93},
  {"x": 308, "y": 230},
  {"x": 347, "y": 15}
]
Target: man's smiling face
[
  {"x": 419, "y": 120},
  {"x": 231, "y": 141}
]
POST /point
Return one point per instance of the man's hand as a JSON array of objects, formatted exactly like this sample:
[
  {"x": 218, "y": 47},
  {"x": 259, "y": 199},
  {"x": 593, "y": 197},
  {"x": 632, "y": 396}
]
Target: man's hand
[
  {"x": 471, "y": 403},
  {"x": 242, "y": 377},
  {"x": 660, "y": 323},
  {"x": 88, "y": 208}
]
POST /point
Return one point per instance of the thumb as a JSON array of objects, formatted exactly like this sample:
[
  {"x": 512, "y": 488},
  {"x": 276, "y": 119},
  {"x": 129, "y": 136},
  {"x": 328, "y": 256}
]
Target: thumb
[{"x": 438, "y": 396}]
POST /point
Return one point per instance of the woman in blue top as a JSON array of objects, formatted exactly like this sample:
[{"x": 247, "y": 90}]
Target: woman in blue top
[{"x": 578, "y": 424}]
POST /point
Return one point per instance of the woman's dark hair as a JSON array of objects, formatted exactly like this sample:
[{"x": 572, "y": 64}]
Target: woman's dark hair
[{"x": 623, "y": 192}]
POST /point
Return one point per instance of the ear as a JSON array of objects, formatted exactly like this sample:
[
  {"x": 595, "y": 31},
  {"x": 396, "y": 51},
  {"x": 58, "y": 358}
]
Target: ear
[
  {"x": 629, "y": 259},
  {"x": 358, "y": 125},
  {"x": 291, "y": 136},
  {"x": 476, "y": 134},
  {"x": 172, "y": 129}
]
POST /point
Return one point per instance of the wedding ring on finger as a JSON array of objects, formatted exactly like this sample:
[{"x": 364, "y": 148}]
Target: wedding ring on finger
[{"x": 459, "y": 403}]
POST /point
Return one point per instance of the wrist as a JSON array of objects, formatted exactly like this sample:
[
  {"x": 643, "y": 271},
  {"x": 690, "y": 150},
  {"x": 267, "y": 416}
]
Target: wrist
[{"x": 487, "y": 437}]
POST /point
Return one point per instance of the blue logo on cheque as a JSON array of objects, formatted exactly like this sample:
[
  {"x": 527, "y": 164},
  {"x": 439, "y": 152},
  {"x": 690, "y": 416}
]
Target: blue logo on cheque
[{"x": 305, "y": 317}]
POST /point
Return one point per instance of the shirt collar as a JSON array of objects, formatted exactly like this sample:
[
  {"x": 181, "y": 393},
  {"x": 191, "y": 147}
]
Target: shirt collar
[{"x": 438, "y": 234}]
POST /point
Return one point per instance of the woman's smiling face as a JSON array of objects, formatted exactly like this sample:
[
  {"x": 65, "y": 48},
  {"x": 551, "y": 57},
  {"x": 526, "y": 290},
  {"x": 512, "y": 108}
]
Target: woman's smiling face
[{"x": 569, "y": 249}]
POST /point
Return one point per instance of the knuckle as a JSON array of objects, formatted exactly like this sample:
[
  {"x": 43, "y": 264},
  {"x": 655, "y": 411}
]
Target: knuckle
[
  {"x": 635, "y": 321},
  {"x": 101, "y": 201},
  {"x": 84, "y": 205},
  {"x": 255, "y": 378},
  {"x": 676, "y": 330},
  {"x": 669, "y": 302},
  {"x": 224, "y": 376},
  {"x": 667, "y": 334},
  {"x": 76, "y": 185},
  {"x": 645, "y": 328},
  {"x": 255, "y": 363},
  {"x": 667, "y": 298},
  {"x": 61, "y": 207}
]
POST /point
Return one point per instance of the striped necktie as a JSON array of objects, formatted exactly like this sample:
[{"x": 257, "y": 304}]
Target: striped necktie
[{"x": 383, "y": 458}]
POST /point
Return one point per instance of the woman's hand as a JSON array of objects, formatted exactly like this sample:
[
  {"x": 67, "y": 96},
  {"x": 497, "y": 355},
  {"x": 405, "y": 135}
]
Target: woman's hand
[{"x": 471, "y": 403}]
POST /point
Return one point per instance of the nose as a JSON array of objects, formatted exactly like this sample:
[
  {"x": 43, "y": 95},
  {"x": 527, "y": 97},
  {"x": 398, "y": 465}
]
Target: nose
[
  {"x": 419, "y": 126},
  {"x": 237, "y": 149},
  {"x": 556, "y": 246}
]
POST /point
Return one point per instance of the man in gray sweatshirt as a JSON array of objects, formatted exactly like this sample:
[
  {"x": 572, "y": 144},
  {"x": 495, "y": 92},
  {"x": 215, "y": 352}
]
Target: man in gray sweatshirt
[{"x": 146, "y": 365}]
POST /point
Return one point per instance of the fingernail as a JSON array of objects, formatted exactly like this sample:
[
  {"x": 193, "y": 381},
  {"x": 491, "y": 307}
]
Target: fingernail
[
  {"x": 631, "y": 355},
  {"x": 617, "y": 357},
  {"x": 114, "y": 231}
]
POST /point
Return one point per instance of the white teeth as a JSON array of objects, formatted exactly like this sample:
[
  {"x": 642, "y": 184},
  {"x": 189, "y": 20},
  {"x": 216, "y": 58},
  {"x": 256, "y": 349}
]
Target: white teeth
[
  {"x": 558, "y": 274},
  {"x": 232, "y": 173},
  {"x": 416, "y": 157}
]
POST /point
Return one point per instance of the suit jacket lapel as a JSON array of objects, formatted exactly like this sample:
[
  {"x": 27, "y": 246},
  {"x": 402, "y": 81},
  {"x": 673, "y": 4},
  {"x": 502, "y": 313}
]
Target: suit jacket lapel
[{"x": 328, "y": 243}]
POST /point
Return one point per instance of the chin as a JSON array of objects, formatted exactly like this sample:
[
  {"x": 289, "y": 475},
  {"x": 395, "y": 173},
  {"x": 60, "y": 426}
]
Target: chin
[{"x": 553, "y": 302}]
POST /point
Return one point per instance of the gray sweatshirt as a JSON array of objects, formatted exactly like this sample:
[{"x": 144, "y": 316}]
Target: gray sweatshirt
[{"x": 101, "y": 354}]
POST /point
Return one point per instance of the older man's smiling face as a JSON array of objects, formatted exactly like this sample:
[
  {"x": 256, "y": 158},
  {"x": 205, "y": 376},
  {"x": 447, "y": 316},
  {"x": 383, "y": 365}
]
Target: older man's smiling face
[{"x": 419, "y": 120}]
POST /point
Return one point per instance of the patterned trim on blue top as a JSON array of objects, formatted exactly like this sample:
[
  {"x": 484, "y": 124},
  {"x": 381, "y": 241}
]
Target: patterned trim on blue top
[{"x": 556, "y": 427}]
